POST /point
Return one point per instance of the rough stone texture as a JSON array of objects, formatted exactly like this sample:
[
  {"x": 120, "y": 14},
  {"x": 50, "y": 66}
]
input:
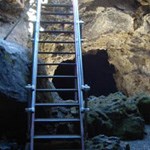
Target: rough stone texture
[
  {"x": 14, "y": 71},
  {"x": 10, "y": 12},
  {"x": 144, "y": 2},
  {"x": 14, "y": 75},
  {"x": 12, "y": 6},
  {"x": 19, "y": 34},
  {"x": 143, "y": 103},
  {"x": 121, "y": 27},
  {"x": 102, "y": 142},
  {"x": 114, "y": 115}
]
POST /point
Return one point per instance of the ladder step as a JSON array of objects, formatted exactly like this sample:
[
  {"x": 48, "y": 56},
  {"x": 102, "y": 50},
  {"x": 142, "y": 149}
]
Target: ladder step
[
  {"x": 57, "y": 137},
  {"x": 62, "y": 53},
  {"x": 64, "y": 42},
  {"x": 56, "y": 76},
  {"x": 56, "y": 90},
  {"x": 66, "y": 13},
  {"x": 57, "y": 31},
  {"x": 55, "y": 13},
  {"x": 57, "y": 120},
  {"x": 57, "y": 5},
  {"x": 56, "y": 104},
  {"x": 56, "y": 22},
  {"x": 57, "y": 64}
]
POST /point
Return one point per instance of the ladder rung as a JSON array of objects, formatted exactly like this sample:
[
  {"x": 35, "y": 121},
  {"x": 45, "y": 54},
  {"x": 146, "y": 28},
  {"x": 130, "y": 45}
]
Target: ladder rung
[
  {"x": 57, "y": 31},
  {"x": 57, "y": 137},
  {"x": 57, "y": 5},
  {"x": 57, "y": 64},
  {"x": 56, "y": 76},
  {"x": 55, "y": 13},
  {"x": 64, "y": 42},
  {"x": 56, "y": 104},
  {"x": 57, "y": 120},
  {"x": 56, "y": 22},
  {"x": 56, "y": 90},
  {"x": 62, "y": 53}
]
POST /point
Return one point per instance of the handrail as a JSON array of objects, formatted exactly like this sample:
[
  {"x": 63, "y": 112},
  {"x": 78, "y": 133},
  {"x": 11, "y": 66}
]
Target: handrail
[
  {"x": 79, "y": 64},
  {"x": 14, "y": 26},
  {"x": 34, "y": 68},
  {"x": 78, "y": 47},
  {"x": 35, "y": 51}
]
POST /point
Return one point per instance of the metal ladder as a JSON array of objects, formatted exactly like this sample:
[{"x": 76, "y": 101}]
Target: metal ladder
[{"x": 79, "y": 88}]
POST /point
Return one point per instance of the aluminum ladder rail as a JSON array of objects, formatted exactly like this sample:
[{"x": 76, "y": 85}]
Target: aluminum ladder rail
[
  {"x": 79, "y": 65},
  {"x": 34, "y": 71},
  {"x": 79, "y": 69}
]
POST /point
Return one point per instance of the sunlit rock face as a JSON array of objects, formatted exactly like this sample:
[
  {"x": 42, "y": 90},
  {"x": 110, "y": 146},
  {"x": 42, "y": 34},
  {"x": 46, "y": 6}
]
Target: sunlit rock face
[
  {"x": 121, "y": 27},
  {"x": 10, "y": 13},
  {"x": 144, "y": 2}
]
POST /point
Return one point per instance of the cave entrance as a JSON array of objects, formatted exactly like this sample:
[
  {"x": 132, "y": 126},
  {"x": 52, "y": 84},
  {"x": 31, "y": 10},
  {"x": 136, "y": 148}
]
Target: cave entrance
[{"x": 98, "y": 74}]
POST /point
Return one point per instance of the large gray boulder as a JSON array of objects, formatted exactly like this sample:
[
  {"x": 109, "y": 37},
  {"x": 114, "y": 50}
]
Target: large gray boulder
[
  {"x": 14, "y": 71},
  {"x": 14, "y": 76}
]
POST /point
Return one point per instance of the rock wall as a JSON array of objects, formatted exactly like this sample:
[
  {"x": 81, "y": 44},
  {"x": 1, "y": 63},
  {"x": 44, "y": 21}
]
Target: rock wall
[
  {"x": 10, "y": 12},
  {"x": 121, "y": 27},
  {"x": 14, "y": 74}
]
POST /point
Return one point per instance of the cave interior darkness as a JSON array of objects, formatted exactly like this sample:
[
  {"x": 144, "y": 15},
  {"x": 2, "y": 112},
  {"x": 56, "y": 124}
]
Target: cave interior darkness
[{"x": 98, "y": 74}]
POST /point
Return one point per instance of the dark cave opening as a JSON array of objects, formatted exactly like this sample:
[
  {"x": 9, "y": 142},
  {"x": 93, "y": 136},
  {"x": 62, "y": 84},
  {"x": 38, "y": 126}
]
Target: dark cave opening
[
  {"x": 98, "y": 74},
  {"x": 65, "y": 83}
]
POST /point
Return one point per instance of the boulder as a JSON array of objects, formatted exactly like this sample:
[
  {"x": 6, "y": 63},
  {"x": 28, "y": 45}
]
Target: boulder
[
  {"x": 114, "y": 115},
  {"x": 102, "y": 142},
  {"x": 143, "y": 104},
  {"x": 14, "y": 74},
  {"x": 13, "y": 12},
  {"x": 144, "y": 2}
]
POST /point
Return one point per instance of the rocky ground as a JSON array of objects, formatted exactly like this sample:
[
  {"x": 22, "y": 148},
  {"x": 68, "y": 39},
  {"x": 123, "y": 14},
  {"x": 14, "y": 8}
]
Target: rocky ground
[{"x": 141, "y": 144}]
